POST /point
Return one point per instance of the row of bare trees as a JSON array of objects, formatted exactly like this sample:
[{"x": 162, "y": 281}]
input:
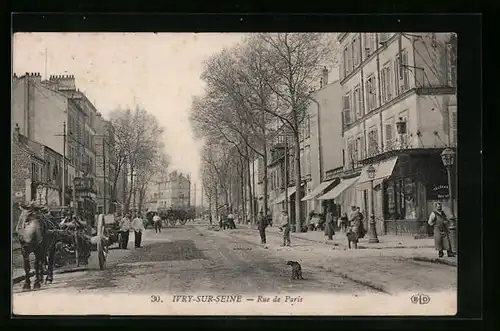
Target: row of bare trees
[
  {"x": 139, "y": 151},
  {"x": 257, "y": 85}
]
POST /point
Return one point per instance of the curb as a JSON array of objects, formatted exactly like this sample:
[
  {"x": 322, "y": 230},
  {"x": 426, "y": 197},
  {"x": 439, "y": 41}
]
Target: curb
[
  {"x": 435, "y": 260},
  {"x": 19, "y": 279},
  {"x": 360, "y": 246}
]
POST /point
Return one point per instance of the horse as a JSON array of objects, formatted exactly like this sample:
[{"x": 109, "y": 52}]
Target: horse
[{"x": 33, "y": 232}]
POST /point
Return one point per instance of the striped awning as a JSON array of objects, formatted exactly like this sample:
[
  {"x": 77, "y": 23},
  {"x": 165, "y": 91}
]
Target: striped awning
[
  {"x": 337, "y": 190},
  {"x": 318, "y": 190}
]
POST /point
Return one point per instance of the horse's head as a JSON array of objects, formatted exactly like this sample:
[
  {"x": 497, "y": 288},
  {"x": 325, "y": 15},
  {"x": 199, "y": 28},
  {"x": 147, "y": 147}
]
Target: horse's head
[{"x": 29, "y": 227}]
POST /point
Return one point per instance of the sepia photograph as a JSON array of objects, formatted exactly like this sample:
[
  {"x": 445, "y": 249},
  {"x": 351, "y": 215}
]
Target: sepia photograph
[{"x": 234, "y": 173}]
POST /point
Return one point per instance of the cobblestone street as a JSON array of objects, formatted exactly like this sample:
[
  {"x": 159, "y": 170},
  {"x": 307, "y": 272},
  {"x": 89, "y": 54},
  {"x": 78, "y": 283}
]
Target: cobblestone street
[{"x": 193, "y": 258}]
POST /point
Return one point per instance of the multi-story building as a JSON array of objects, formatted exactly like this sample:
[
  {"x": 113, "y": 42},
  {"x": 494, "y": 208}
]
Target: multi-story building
[
  {"x": 324, "y": 158},
  {"x": 399, "y": 113},
  {"x": 41, "y": 110},
  {"x": 281, "y": 170},
  {"x": 105, "y": 165},
  {"x": 173, "y": 190}
]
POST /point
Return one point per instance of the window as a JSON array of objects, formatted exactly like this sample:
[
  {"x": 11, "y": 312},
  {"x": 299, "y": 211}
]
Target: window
[
  {"x": 361, "y": 147},
  {"x": 389, "y": 135},
  {"x": 373, "y": 142},
  {"x": 345, "y": 62},
  {"x": 349, "y": 59},
  {"x": 347, "y": 108},
  {"x": 307, "y": 160},
  {"x": 369, "y": 43},
  {"x": 401, "y": 73},
  {"x": 453, "y": 123},
  {"x": 308, "y": 126},
  {"x": 386, "y": 80},
  {"x": 371, "y": 93},
  {"x": 357, "y": 103},
  {"x": 451, "y": 64},
  {"x": 350, "y": 153},
  {"x": 400, "y": 197},
  {"x": 356, "y": 51}
]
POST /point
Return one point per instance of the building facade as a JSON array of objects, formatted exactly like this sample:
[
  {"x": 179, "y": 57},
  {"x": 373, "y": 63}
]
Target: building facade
[
  {"x": 55, "y": 114},
  {"x": 325, "y": 156},
  {"x": 399, "y": 112},
  {"x": 172, "y": 191}
]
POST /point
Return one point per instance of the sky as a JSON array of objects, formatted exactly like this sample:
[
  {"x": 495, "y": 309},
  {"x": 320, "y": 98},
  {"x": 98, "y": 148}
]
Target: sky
[{"x": 160, "y": 72}]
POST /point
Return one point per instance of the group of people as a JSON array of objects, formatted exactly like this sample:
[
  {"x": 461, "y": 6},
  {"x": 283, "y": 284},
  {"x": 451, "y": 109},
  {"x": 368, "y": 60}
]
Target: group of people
[
  {"x": 352, "y": 223},
  {"x": 126, "y": 225}
]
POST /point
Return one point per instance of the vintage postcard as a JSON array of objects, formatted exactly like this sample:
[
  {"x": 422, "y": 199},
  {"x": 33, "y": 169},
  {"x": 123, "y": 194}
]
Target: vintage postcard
[{"x": 234, "y": 174}]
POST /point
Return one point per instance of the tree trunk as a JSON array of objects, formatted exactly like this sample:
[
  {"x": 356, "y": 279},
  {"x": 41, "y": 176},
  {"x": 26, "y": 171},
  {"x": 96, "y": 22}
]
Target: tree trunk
[
  {"x": 129, "y": 197},
  {"x": 254, "y": 195},
  {"x": 216, "y": 204},
  {"x": 298, "y": 206},
  {"x": 242, "y": 187},
  {"x": 264, "y": 161},
  {"x": 250, "y": 196}
]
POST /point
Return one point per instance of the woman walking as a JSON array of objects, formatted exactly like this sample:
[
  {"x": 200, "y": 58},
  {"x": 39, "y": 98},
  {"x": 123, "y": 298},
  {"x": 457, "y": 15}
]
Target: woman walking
[{"x": 329, "y": 231}]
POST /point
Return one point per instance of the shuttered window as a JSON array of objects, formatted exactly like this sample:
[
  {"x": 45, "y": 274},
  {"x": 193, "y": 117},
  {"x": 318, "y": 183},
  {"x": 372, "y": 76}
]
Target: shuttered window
[
  {"x": 347, "y": 108},
  {"x": 389, "y": 136}
]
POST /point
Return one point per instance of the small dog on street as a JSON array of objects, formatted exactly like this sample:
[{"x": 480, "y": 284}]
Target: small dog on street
[
  {"x": 296, "y": 269},
  {"x": 352, "y": 238}
]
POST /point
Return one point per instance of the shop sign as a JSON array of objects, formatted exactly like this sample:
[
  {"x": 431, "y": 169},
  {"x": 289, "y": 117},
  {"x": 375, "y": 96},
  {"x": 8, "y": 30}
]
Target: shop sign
[
  {"x": 83, "y": 183},
  {"x": 440, "y": 192}
]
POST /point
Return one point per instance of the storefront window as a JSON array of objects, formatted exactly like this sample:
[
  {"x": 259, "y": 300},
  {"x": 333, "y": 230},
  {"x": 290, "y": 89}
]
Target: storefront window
[
  {"x": 409, "y": 199},
  {"x": 400, "y": 199}
]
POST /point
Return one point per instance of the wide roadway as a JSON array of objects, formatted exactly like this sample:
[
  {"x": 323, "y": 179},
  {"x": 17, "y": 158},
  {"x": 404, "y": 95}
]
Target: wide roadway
[{"x": 193, "y": 259}]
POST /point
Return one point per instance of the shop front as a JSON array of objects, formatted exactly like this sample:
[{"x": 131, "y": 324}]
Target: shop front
[{"x": 405, "y": 191}]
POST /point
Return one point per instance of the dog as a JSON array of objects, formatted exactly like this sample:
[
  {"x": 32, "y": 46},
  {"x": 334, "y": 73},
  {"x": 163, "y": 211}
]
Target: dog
[
  {"x": 296, "y": 269},
  {"x": 352, "y": 238}
]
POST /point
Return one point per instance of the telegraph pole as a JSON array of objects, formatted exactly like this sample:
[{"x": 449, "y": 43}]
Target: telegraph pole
[
  {"x": 64, "y": 166},
  {"x": 104, "y": 175},
  {"x": 194, "y": 198}
]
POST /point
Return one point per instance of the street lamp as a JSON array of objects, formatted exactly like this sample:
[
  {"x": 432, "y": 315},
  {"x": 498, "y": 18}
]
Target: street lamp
[
  {"x": 373, "y": 229},
  {"x": 448, "y": 158},
  {"x": 401, "y": 128}
]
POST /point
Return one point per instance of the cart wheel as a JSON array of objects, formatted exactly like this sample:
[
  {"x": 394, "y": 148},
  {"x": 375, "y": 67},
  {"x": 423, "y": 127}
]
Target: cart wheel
[
  {"x": 183, "y": 221},
  {"x": 101, "y": 254},
  {"x": 172, "y": 222}
]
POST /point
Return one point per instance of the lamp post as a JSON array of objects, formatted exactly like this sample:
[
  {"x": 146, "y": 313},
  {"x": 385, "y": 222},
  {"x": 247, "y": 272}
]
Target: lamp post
[
  {"x": 448, "y": 158},
  {"x": 373, "y": 229},
  {"x": 134, "y": 175}
]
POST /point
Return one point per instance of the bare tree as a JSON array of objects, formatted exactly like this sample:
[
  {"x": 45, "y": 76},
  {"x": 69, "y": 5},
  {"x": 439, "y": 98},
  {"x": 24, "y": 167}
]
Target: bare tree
[
  {"x": 145, "y": 174},
  {"x": 290, "y": 64},
  {"x": 138, "y": 139}
]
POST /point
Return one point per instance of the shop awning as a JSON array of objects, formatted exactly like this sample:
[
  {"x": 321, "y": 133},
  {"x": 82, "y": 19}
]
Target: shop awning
[
  {"x": 337, "y": 190},
  {"x": 383, "y": 169},
  {"x": 281, "y": 197},
  {"x": 318, "y": 190}
]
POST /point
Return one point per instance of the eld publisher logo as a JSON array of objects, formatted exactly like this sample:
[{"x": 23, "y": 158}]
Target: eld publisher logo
[{"x": 421, "y": 299}]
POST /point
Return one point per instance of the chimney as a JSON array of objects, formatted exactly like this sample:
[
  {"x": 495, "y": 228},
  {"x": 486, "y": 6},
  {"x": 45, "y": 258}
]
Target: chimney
[
  {"x": 324, "y": 80},
  {"x": 64, "y": 82}
]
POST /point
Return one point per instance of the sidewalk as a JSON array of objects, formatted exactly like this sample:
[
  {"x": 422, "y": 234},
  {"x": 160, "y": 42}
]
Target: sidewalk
[{"x": 385, "y": 241}]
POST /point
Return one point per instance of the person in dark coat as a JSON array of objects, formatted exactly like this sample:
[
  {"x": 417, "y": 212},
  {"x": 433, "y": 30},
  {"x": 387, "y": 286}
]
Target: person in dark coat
[
  {"x": 329, "y": 231},
  {"x": 440, "y": 222},
  {"x": 262, "y": 227},
  {"x": 344, "y": 222}
]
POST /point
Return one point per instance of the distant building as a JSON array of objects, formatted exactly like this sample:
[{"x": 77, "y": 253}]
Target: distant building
[{"x": 173, "y": 190}]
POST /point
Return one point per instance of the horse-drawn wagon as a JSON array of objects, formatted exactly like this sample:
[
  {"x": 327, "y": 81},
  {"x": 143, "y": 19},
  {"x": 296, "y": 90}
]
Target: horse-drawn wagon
[{"x": 55, "y": 243}]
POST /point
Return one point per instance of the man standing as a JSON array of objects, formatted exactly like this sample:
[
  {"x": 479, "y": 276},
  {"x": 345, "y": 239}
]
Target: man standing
[
  {"x": 157, "y": 223},
  {"x": 138, "y": 227},
  {"x": 124, "y": 231},
  {"x": 262, "y": 227},
  {"x": 285, "y": 227},
  {"x": 439, "y": 221}
]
